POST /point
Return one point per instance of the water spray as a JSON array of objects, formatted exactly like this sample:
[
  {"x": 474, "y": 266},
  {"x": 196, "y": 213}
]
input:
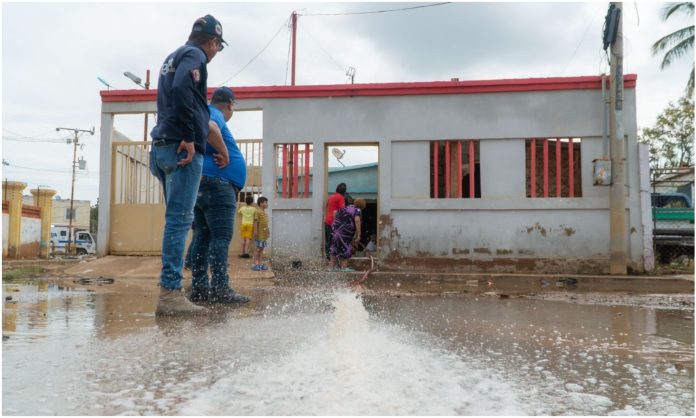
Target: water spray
[{"x": 359, "y": 283}]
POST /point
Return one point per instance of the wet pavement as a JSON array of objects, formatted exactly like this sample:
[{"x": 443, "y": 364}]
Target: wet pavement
[{"x": 325, "y": 350}]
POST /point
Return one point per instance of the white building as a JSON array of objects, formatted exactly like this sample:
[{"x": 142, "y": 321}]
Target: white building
[{"x": 472, "y": 175}]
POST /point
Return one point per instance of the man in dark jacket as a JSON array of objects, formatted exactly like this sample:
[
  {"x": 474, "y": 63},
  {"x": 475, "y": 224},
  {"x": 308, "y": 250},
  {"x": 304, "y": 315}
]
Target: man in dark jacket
[{"x": 178, "y": 144}]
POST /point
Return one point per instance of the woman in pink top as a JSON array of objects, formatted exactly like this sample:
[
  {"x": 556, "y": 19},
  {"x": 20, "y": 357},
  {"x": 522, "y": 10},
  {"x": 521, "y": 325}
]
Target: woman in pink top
[{"x": 336, "y": 201}]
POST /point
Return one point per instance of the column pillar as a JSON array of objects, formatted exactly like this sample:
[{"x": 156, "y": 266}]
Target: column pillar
[
  {"x": 13, "y": 194},
  {"x": 43, "y": 198}
]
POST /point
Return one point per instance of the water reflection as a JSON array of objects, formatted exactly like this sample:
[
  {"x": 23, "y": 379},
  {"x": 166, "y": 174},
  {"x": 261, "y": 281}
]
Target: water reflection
[{"x": 322, "y": 351}]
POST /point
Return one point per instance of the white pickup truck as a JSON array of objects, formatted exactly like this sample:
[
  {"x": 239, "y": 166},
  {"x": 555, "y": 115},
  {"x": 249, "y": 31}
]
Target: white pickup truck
[{"x": 82, "y": 241}]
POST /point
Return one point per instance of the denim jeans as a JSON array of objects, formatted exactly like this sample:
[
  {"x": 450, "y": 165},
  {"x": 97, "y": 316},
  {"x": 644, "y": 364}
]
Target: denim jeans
[
  {"x": 180, "y": 186},
  {"x": 214, "y": 222}
]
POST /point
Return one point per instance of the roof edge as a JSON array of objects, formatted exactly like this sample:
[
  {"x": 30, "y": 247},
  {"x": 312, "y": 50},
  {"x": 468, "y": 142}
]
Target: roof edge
[{"x": 390, "y": 89}]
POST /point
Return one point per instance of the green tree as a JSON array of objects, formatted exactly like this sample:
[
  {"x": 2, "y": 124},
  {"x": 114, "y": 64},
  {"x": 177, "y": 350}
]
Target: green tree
[
  {"x": 93, "y": 217},
  {"x": 671, "y": 140},
  {"x": 677, "y": 43}
]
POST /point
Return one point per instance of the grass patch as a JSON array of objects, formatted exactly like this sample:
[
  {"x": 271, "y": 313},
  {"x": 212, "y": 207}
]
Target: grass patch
[{"x": 25, "y": 272}]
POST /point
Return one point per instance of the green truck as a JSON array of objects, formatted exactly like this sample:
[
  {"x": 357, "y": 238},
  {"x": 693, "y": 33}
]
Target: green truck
[{"x": 673, "y": 225}]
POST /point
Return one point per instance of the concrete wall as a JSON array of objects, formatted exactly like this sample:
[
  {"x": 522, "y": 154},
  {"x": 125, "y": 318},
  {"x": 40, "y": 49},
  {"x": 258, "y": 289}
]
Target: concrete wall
[
  {"x": 29, "y": 232},
  {"x": 59, "y": 211},
  {"x": 30, "y": 238},
  {"x": 5, "y": 232},
  {"x": 503, "y": 230}
]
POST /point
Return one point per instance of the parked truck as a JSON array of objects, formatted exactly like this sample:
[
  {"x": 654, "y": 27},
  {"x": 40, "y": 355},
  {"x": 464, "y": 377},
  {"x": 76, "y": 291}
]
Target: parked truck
[
  {"x": 673, "y": 230},
  {"x": 82, "y": 240}
]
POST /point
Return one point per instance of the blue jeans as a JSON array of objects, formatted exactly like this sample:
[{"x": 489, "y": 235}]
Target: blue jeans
[
  {"x": 180, "y": 186},
  {"x": 214, "y": 222}
]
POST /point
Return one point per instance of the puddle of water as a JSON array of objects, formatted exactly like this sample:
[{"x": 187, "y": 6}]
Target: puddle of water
[{"x": 301, "y": 351}]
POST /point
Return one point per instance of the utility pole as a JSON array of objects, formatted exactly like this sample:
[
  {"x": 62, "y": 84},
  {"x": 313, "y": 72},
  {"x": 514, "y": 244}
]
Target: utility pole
[
  {"x": 294, "y": 41},
  {"x": 75, "y": 132},
  {"x": 617, "y": 191},
  {"x": 147, "y": 87}
]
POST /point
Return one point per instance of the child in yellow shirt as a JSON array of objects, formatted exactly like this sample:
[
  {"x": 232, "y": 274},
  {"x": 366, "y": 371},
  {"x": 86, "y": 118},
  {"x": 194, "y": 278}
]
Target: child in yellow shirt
[
  {"x": 247, "y": 212},
  {"x": 261, "y": 233}
]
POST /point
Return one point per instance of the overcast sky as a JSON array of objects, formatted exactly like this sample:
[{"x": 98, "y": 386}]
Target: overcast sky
[{"x": 52, "y": 54}]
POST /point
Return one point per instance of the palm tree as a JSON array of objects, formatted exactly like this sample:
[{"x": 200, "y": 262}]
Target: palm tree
[{"x": 679, "y": 42}]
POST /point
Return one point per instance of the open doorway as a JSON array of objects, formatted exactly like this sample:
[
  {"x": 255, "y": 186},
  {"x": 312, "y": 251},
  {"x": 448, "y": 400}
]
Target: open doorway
[{"x": 356, "y": 165}]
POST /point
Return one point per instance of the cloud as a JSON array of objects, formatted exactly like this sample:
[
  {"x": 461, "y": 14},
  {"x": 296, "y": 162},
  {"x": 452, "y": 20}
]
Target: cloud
[{"x": 50, "y": 66}]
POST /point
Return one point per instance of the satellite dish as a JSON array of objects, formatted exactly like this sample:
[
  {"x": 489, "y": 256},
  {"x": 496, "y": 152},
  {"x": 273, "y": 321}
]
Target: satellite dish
[{"x": 338, "y": 154}]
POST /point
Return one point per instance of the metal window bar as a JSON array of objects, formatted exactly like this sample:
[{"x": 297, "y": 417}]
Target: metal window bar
[
  {"x": 444, "y": 174},
  {"x": 295, "y": 170},
  {"x": 546, "y": 167},
  {"x": 459, "y": 170},
  {"x": 533, "y": 179},
  {"x": 558, "y": 167},
  {"x": 567, "y": 180},
  {"x": 472, "y": 170},
  {"x": 447, "y": 169}
]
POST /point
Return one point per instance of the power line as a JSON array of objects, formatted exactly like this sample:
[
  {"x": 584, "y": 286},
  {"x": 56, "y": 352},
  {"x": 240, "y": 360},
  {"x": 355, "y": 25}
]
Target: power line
[
  {"x": 27, "y": 136},
  {"x": 581, "y": 41},
  {"x": 378, "y": 11},
  {"x": 321, "y": 47},
  {"x": 259, "y": 53},
  {"x": 47, "y": 170},
  {"x": 31, "y": 140}
]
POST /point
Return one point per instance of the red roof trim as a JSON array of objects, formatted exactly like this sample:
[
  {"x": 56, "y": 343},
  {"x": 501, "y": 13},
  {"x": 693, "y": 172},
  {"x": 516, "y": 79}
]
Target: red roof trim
[{"x": 390, "y": 89}]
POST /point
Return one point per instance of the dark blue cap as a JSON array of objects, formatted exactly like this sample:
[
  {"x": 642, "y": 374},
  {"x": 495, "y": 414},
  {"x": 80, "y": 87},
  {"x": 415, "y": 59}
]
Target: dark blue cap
[
  {"x": 208, "y": 24},
  {"x": 223, "y": 95}
]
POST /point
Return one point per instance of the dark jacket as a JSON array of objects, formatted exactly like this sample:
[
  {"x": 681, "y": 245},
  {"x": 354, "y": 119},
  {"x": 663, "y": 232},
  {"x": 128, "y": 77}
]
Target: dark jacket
[{"x": 182, "y": 105}]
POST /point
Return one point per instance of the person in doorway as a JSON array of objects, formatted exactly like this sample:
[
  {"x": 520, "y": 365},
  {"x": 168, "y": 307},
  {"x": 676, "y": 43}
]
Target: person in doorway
[
  {"x": 247, "y": 213},
  {"x": 178, "y": 144},
  {"x": 371, "y": 247},
  {"x": 261, "y": 234},
  {"x": 336, "y": 201},
  {"x": 214, "y": 211},
  {"x": 346, "y": 232}
]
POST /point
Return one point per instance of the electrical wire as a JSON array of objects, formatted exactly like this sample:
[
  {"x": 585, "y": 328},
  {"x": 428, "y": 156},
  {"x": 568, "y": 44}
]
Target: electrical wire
[
  {"x": 22, "y": 135},
  {"x": 27, "y": 139},
  {"x": 47, "y": 170},
  {"x": 581, "y": 41},
  {"x": 378, "y": 11},
  {"x": 303, "y": 28},
  {"x": 259, "y": 53}
]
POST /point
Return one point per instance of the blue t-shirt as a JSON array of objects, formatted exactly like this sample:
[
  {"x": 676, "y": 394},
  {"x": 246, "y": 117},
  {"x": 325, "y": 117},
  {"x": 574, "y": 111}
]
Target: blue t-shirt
[{"x": 235, "y": 171}]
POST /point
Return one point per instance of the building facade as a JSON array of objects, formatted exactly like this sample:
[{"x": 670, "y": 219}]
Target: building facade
[{"x": 489, "y": 175}]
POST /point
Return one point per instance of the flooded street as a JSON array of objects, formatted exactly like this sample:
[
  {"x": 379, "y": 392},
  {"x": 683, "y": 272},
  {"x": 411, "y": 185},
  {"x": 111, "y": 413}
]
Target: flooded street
[{"x": 300, "y": 350}]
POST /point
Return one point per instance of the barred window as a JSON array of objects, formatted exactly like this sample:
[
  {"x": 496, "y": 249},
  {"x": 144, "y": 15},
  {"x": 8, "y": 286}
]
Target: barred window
[
  {"x": 553, "y": 167},
  {"x": 454, "y": 169},
  {"x": 294, "y": 168}
]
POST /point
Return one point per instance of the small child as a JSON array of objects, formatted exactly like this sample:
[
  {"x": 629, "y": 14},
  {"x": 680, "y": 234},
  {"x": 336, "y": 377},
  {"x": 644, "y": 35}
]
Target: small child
[
  {"x": 247, "y": 212},
  {"x": 261, "y": 233},
  {"x": 371, "y": 248}
]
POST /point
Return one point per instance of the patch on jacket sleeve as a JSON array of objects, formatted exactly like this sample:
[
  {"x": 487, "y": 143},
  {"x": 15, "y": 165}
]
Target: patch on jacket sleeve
[{"x": 196, "y": 74}]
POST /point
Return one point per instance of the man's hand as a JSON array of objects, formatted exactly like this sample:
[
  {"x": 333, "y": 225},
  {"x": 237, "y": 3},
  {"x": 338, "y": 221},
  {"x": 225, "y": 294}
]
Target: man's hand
[
  {"x": 190, "y": 152},
  {"x": 221, "y": 160},
  {"x": 222, "y": 156}
]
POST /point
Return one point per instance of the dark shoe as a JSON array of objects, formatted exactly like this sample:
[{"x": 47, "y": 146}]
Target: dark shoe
[
  {"x": 197, "y": 296},
  {"x": 227, "y": 296},
  {"x": 246, "y": 256}
]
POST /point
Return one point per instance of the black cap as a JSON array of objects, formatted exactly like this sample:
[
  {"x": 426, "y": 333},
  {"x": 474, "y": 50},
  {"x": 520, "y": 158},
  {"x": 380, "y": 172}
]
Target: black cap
[
  {"x": 208, "y": 24},
  {"x": 223, "y": 95}
]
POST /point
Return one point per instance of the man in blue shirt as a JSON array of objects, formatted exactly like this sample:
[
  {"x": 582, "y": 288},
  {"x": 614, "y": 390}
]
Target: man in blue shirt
[
  {"x": 215, "y": 209},
  {"x": 178, "y": 143}
]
